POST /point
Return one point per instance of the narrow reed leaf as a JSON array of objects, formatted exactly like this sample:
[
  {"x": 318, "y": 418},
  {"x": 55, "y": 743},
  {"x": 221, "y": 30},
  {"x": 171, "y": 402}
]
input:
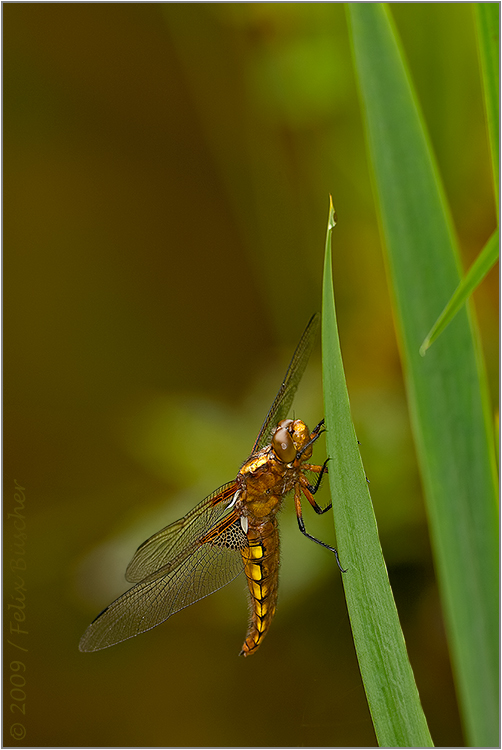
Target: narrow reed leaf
[
  {"x": 487, "y": 17},
  {"x": 477, "y": 272},
  {"x": 388, "y": 679}
]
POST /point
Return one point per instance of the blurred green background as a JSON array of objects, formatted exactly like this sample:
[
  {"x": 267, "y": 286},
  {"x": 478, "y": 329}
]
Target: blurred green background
[{"x": 166, "y": 179}]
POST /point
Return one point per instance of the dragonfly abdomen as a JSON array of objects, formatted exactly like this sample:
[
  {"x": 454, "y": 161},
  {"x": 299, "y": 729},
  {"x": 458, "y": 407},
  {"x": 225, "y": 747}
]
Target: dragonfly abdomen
[{"x": 261, "y": 565}]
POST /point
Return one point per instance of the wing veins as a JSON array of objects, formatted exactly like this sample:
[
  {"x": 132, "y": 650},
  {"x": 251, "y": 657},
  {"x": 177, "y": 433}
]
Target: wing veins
[
  {"x": 282, "y": 402},
  {"x": 157, "y": 597},
  {"x": 179, "y": 537}
]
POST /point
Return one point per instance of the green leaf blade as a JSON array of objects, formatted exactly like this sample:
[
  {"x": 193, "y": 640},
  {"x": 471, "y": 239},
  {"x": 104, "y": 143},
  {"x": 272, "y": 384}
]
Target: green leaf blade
[
  {"x": 388, "y": 679},
  {"x": 447, "y": 392}
]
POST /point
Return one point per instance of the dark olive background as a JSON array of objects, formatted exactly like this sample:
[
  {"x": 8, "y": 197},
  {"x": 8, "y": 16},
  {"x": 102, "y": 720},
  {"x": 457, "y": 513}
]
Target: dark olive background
[{"x": 166, "y": 178}]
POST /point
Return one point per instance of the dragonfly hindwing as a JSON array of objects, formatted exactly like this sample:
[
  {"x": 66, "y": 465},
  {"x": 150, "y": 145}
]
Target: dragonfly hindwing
[{"x": 231, "y": 538}]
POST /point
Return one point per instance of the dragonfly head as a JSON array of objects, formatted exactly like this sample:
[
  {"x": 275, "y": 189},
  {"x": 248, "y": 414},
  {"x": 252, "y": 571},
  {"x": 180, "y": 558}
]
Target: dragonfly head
[{"x": 289, "y": 438}]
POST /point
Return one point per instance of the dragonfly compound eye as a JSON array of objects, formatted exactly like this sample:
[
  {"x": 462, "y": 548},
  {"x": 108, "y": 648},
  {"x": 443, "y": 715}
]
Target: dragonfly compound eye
[{"x": 283, "y": 445}]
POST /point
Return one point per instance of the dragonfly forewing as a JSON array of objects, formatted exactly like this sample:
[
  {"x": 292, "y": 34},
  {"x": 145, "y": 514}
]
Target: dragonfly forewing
[
  {"x": 181, "y": 537},
  {"x": 284, "y": 398}
]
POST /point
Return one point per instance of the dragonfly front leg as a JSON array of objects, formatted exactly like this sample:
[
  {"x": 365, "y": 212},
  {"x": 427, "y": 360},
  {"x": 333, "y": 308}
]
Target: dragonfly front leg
[
  {"x": 318, "y": 427},
  {"x": 301, "y": 524}
]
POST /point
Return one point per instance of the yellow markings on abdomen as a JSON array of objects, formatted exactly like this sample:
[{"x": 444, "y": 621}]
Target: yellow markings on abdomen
[
  {"x": 260, "y": 625},
  {"x": 255, "y": 572},
  {"x": 261, "y": 563},
  {"x": 255, "y": 589}
]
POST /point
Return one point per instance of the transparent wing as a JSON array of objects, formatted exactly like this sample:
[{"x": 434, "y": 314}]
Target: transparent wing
[
  {"x": 180, "y": 536},
  {"x": 206, "y": 562},
  {"x": 282, "y": 403}
]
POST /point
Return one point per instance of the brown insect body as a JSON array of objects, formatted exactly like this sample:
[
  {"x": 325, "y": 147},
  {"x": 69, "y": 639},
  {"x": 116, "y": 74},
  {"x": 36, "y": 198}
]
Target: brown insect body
[{"x": 264, "y": 480}]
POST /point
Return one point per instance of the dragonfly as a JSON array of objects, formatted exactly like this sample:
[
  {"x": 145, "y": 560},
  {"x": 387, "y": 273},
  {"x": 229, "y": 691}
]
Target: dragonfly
[{"x": 234, "y": 529}]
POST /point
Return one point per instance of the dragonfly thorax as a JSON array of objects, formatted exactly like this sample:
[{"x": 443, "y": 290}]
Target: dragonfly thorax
[{"x": 269, "y": 474}]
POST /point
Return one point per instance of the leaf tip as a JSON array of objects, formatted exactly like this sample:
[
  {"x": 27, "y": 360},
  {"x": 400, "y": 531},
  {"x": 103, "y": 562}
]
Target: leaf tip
[
  {"x": 332, "y": 214},
  {"x": 425, "y": 345}
]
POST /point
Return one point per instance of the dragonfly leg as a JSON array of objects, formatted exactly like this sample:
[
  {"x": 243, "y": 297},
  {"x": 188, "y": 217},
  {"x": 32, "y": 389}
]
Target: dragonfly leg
[
  {"x": 309, "y": 491},
  {"x": 301, "y": 525},
  {"x": 320, "y": 470},
  {"x": 318, "y": 427}
]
